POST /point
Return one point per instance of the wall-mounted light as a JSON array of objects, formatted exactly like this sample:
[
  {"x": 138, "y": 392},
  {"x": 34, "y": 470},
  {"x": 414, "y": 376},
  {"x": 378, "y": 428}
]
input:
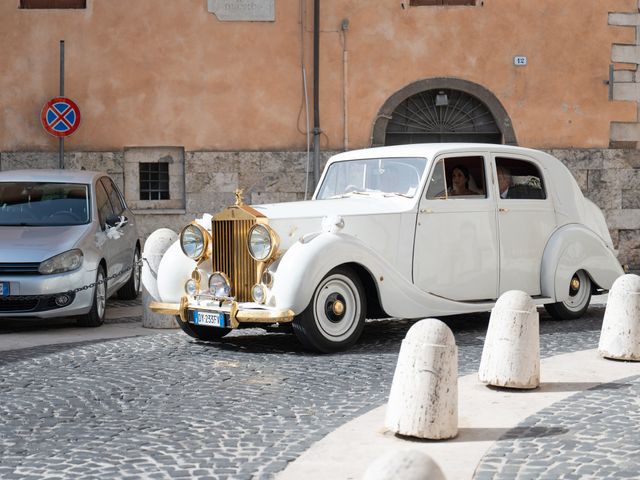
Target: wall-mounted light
[{"x": 441, "y": 99}]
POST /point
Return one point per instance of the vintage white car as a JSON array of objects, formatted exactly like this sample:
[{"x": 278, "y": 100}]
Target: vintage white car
[{"x": 405, "y": 231}]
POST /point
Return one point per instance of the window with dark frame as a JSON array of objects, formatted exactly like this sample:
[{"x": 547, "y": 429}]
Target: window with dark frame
[
  {"x": 424, "y": 3},
  {"x": 154, "y": 181},
  {"x": 51, "y": 4}
]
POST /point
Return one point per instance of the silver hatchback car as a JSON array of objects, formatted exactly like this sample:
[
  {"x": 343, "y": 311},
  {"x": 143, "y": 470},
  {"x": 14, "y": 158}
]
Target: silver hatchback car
[{"x": 67, "y": 243}]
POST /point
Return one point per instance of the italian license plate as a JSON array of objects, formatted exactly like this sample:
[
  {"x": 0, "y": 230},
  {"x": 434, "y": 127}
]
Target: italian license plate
[
  {"x": 4, "y": 289},
  {"x": 212, "y": 319}
]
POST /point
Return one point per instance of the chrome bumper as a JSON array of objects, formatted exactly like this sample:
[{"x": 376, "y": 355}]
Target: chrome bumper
[{"x": 235, "y": 312}]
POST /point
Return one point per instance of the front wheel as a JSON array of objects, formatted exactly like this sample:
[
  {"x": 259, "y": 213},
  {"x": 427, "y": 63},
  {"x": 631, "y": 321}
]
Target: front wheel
[
  {"x": 202, "y": 333},
  {"x": 578, "y": 301},
  {"x": 335, "y": 316},
  {"x": 95, "y": 317}
]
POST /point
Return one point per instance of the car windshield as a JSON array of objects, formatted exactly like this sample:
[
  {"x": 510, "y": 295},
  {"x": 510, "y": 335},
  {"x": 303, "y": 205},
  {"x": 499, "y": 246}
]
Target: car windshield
[
  {"x": 43, "y": 204},
  {"x": 394, "y": 176}
]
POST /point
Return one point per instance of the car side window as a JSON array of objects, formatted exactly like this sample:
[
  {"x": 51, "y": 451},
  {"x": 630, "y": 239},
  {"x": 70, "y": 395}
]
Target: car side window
[
  {"x": 519, "y": 179},
  {"x": 458, "y": 177},
  {"x": 114, "y": 196},
  {"x": 103, "y": 204}
]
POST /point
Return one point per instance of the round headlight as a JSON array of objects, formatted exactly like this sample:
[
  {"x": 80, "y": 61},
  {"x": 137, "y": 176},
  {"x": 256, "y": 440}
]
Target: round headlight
[
  {"x": 261, "y": 242},
  {"x": 194, "y": 241},
  {"x": 258, "y": 293},
  {"x": 219, "y": 285},
  {"x": 191, "y": 287}
]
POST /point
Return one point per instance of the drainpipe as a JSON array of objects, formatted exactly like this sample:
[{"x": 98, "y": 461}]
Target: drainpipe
[{"x": 316, "y": 88}]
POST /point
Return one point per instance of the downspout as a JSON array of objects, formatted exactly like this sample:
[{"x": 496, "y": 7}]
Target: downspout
[{"x": 316, "y": 89}]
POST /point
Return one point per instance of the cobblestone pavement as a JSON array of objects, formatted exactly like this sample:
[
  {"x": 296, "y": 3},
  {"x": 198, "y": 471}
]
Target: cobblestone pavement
[
  {"x": 167, "y": 406},
  {"x": 594, "y": 435}
]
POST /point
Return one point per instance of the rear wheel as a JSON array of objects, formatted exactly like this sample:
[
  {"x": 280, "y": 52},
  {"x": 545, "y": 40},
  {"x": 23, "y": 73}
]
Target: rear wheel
[
  {"x": 95, "y": 317},
  {"x": 202, "y": 333},
  {"x": 578, "y": 301},
  {"x": 335, "y": 316}
]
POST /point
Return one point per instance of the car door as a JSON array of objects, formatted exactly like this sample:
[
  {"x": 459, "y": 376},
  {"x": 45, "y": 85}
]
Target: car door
[
  {"x": 122, "y": 246},
  {"x": 526, "y": 219},
  {"x": 456, "y": 243}
]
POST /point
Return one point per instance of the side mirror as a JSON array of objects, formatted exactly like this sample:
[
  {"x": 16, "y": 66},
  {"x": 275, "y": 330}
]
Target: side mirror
[{"x": 116, "y": 221}]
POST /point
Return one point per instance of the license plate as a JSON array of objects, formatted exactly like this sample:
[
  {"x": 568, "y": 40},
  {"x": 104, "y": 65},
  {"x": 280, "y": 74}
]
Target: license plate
[
  {"x": 213, "y": 319},
  {"x": 4, "y": 289}
]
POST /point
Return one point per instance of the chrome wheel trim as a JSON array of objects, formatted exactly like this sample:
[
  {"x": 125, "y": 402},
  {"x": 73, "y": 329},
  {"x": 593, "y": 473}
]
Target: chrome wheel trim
[
  {"x": 137, "y": 271},
  {"x": 580, "y": 298},
  {"x": 342, "y": 286},
  {"x": 101, "y": 295}
]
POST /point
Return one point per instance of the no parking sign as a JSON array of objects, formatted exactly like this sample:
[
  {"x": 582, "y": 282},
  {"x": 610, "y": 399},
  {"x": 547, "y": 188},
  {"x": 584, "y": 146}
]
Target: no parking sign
[{"x": 60, "y": 117}]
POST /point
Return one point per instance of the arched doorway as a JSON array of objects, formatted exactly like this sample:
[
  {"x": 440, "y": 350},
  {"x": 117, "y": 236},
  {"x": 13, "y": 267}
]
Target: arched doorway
[{"x": 442, "y": 110}]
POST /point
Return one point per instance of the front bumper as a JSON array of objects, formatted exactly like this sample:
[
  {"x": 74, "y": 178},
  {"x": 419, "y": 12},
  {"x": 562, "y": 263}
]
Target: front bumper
[{"x": 234, "y": 313}]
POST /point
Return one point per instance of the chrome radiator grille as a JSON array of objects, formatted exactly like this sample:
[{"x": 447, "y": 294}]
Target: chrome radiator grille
[{"x": 231, "y": 256}]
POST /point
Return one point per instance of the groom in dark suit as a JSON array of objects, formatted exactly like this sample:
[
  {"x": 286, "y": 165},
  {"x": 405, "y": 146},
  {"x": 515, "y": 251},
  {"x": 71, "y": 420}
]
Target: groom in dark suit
[{"x": 515, "y": 191}]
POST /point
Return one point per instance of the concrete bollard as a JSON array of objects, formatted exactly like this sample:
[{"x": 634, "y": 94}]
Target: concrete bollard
[
  {"x": 511, "y": 353},
  {"x": 404, "y": 465},
  {"x": 423, "y": 401},
  {"x": 620, "y": 334},
  {"x": 154, "y": 248}
]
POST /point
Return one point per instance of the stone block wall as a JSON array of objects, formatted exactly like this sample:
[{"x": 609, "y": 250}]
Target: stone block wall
[{"x": 609, "y": 177}]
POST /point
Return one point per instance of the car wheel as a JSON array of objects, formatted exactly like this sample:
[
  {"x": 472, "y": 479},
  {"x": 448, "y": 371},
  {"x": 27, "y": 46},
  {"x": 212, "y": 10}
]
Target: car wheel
[
  {"x": 578, "y": 301},
  {"x": 202, "y": 333},
  {"x": 95, "y": 317},
  {"x": 131, "y": 289},
  {"x": 335, "y": 316}
]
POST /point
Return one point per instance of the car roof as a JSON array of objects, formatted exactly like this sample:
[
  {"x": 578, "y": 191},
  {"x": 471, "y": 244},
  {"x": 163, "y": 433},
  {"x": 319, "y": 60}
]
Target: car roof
[
  {"x": 50, "y": 175},
  {"x": 428, "y": 150}
]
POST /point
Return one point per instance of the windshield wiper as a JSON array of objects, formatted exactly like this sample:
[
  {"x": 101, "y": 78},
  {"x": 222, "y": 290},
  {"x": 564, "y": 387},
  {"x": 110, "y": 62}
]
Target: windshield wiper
[{"x": 398, "y": 194}]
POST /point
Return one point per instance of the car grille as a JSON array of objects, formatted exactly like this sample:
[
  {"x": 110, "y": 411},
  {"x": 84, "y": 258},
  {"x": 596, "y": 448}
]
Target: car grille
[
  {"x": 231, "y": 256},
  {"x": 30, "y": 303},
  {"x": 19, "y": 268}
]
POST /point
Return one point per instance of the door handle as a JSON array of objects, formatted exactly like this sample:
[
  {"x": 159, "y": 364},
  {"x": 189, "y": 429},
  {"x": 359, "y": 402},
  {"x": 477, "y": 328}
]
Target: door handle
[
  {"x": 426, "y": 210},
  {"x": 505, "y": 210}
]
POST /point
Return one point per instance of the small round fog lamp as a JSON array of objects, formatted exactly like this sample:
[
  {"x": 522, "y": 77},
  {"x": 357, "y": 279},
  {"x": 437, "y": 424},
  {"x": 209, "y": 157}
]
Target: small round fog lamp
[
  {"x": 259, "y": 293},
  {"x": 191, "y": 287}
]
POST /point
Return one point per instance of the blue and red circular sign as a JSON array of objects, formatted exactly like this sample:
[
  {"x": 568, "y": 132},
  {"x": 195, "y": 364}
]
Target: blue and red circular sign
[{"x": 60, "y": 117}]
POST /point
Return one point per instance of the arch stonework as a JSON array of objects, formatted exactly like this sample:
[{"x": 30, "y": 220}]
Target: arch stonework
[{"x": 481, "y": 93}]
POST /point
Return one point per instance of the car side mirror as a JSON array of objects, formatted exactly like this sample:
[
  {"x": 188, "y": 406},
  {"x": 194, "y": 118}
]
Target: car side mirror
[{"x": 116, "y": 221}]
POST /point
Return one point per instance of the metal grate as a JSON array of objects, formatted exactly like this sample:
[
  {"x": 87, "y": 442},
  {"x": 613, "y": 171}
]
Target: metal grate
[
  {"x": 154, "y": 181},
  {"x": 442, "y": 115},
  {"x": 231, "y": 256}
]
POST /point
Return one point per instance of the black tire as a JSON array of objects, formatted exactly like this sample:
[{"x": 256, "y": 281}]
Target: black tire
[
  {"x": 208, "y": 334},
  {"x": 334, "y": 319},
  {"x": 131, "y": 289},
  {"x": 95, "y": 317},
  {"x": 578, "y": 301}
]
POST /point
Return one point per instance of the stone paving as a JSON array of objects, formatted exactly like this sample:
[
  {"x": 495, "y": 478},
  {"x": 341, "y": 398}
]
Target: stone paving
[
  {"x": 594, "y": 435},
  {"x": 167, "y": 406}
]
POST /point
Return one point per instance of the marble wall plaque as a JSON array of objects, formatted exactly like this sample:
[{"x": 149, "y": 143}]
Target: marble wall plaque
[{"x": 243, "y": 10}]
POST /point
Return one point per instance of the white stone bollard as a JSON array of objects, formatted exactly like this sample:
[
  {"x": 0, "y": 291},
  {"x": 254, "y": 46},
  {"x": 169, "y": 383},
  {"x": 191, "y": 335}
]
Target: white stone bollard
[
  {"x": 154, "y": 248},
  {"x": 511, "y": 352},
  {"x": 620, "y": 334},
  {"x": 404, "y": 465},
  {"x": 423, "y": 401}
]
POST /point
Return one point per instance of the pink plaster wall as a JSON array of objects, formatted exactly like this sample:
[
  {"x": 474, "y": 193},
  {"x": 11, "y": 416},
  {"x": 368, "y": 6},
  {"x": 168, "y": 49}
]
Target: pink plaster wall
[{"x": 150, "y": 73}]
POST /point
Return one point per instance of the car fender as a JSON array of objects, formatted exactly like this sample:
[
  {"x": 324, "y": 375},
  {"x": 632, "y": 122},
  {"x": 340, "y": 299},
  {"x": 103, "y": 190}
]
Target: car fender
[
  {"x": 571, "y": 248},
  {"x": 174, "y": 270},
  {"x": 308, "y": 261}
]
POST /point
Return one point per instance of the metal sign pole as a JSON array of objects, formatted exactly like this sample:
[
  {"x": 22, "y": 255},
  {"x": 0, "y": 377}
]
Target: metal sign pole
[{"x": 61, "y": 159}]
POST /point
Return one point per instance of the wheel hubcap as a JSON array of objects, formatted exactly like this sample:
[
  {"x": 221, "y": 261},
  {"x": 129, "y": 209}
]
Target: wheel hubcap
[
  {"x": 579, "y": 291},
  {"x": 574, "y": 286},
  {"x": 337, "y": 307},
  {"x": 101, "y": 296}
]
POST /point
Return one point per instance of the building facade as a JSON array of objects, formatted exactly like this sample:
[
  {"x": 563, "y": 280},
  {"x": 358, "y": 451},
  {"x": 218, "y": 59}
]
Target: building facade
[{"x": 183, "y": 102}]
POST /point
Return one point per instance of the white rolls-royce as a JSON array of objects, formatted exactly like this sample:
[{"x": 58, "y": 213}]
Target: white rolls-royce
[{"x": 405, "y": 231}]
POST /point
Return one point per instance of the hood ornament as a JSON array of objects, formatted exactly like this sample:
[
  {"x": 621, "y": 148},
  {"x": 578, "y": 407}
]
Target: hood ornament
[{"x": 238, "y": 193}]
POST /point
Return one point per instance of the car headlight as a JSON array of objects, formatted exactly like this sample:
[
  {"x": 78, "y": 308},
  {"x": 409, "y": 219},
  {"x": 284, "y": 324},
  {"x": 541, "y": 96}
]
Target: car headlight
[
  {"x": 262, "y": 242},
  {"x": 194, "y": 241},
  {"x": 219, "y": 285},
  {"x": 64, "y": 262},
  {"x": 259, "y": 293},
  {"x": 191, "y": 287}
]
